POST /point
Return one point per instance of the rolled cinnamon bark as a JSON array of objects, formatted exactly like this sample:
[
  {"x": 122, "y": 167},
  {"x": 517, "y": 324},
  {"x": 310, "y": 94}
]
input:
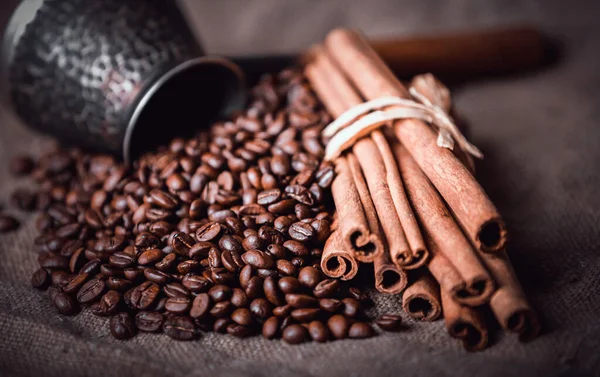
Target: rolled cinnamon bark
[
  {"x": 337, "y": 261},
  {"x": 464, "y": 323},
  {"x": 421, "y": 300},
  {"x": 466, "y": 198},
  {"x": 389, "y": 278},
  {"x": 443, "y": 232},
  {"x": 373, "y": 163},
  {"x": 354, "y": 229},
  {"x": 509, "y": 304},
  {"x": 405, "y": 212}
]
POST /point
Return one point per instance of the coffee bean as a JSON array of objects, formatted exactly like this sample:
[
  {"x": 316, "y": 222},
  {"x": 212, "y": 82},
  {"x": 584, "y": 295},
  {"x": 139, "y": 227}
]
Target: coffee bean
[
  {"x": 63, "y": 303},
  {"x": 258, "y": 259},
  {"x": 239, "y": 331},
  {"x": 176, "y": 290},
  {"x": 40, "y": 279},
  {"x": 306, "y": 314},
  {"x": 201, "y": 306},
  {"x": 220, "y": 293},
  {"x": 318, "y": 331},
  {"x": 338, "y": 326},
  {"x": 121, "y": 260},
  {"x": 282, "y": 207},
  {"x": 60, "y": 278},
  {"x": 268, "y": 197},
  {"x": 144, "y": 295},
  {"x": 75, "y": 283},
  {"x": 282, "y": 311},
  {"x": 196, "y": 283},
  {"x": 156, "y": 276},
  {"x": 301, "y": 231},
  {"x": 295, "y": 334},
  {"x": 163, "y": 199},
  {"x": 90, "y": 291},
  {"x": 272, "y": 292},
  {"x": 326, "y": 288},
  {"x": 261, "y": 308},
  {"x": 221, "y": 325},
  {"x": 150, "y": 256},
  {"x": 289, "y": 284},
  {"x": 108, "y": 304},
  {"x": 200, "y": 250},
  {"x": 286, "y": 268},
  {"x": 357, "y": 294},
  {"x": 310, "y": 277},
  {"x": 301, "y": 301},
  {"x": 254, "y": 288},
  {"x": 331, "y": 305},
  {"x": 351, "y": 307},
  {"x": 243, "y": 317},
  {"x": 221, "y": 309},
  {"x": 149, "y": 321},
  {"x": 297, "y": 248},
  {"x": 245, "y": 276},
  {"x": 179, "y": 328},
  {"x": 270, "y": 327},
  {"x": 361, "y": 330},
  {"x": 182, "y": 243},
  {"x": 166, "y": 263},
  {"x": 208, "y": 232},
  {"x": 389, "y": 322},
  {"x": 177, "y": 305},
  {"x": 55, "y": 262}
]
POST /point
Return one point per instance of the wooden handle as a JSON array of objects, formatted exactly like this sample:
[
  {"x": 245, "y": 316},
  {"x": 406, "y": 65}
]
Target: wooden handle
[{"x": 465, "y": 55}]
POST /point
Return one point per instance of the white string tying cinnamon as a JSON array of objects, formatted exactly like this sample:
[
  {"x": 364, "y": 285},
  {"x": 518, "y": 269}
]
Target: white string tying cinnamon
[{"x": 362, "y": 119}]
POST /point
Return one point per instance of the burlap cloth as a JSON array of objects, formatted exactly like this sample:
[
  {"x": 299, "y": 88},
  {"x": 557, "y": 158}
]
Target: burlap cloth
[{"x": 541, "y": 138}]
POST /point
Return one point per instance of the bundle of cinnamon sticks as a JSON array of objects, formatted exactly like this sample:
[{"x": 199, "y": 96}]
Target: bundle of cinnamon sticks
[{"x": 411, "y": 207}]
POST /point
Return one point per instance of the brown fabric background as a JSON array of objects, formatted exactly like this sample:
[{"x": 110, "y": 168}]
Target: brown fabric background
[{"x": 541, "y": 137}]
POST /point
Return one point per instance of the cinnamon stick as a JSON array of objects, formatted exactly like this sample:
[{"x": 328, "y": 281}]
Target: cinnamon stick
[
  {"x": 466, "y": 198},
  {"x": 509, "y": 304},
  {"x": 389, "y": 278},
  {"x": 443, "y": 232},
  {"x": 376, "y": 167},
  {"x": 337, "y": 261},
  {"x": 421, "y": 300},
  {"x": 354, "y": 229},
  {"x": 464, "y": 323}
]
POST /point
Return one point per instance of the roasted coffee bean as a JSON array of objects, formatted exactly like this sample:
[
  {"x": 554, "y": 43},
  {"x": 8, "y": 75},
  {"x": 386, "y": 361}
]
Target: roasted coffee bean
[
  {"x": 201, "y": 306},
  {"x": 239, "y": 331},
  {"x": 177, "y": 305},
  {"x": 277, "y": 251},
  {"x": 166, "y": 263},
  {"x": 209, "y": 232},
  {"x": 220, "y": 293},
  {"x": 282, "y": 311},
  {"x": 179, "y": 328},
  {"x": 310, "y": 277},
  {"x": 54, "y": 262},
  {"x": 338, "y": 326},
  {"x": 245, "y": 276},
  {"x": 75, "y": 283},
  {"x": 268, "y": 197},
  {"x": 306, "y": 314},
  {"x": 63, "y": 302},
  {"x": 282, "y": 207},
  {"x": 176, "y": 290},
  {"x": 361, "y": 330},
  {"x": 182, "y": 243},
  {"x": 132, "y": 274},
  {"x": 243, "y": 317},
  {"x": 289, "y": 284},
  {"x": 150, "y": 256},
  {"x": 258, "y": 259},
  {"x": 220, "y": 325},
  {"x": 144, "y": 295},
  {"x": 91, "y": 267},
  {"x": 196, "y": 283},
  {"x": 351, "y": 307},
  {"x": 200, "y": 250},
  {"x": 261, "y": 308},
  {"x": 300, "y": 231},
  {"x": 272, "y": 292},
  {"x": 331, "y": 305},
  {"x": 270, "y": 327},
  {"x": 77, "y": 260},
  {"x": 188, "y": 266},
  {"x": 295, "y": 334},
  {"x": 254, "y": 288},
  {"x": 149, "y": 321},
  {"x": 297, "y": 248},
  {"x": 297, "y": 262},
  {"x": 232, "y": 260},
  {"x": 318, "y": 331},
  {"x": 90, "y": 291},
  {"x": 221, "y": 309},
  {"x": 231, "y": 244},
  {"x": 121, "y": 260},
  {"x": 326, "y": 288},
  {"x": 156, "y": 276},
  {"x": 60, "y": 278},
  {"x": 282, "y": 223},
  {"x": 40, "y": 279},
  {"x": 108, "y": 304},
  {"x": 286, "y": 268},
  {"x": 301, "y": 301},
  {"x": 357, "y": 294},
  {"x": 163, "y": 199},
  {"x": 389, "y": 322},
  {"x": 253, "y": 242}
]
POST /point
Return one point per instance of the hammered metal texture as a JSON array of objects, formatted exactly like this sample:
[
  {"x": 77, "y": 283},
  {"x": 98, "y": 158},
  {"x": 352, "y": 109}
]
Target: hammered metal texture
[{"x": 81, "y": 66}]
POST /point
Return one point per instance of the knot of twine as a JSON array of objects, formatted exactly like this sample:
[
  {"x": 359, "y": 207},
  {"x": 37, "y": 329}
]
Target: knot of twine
[{"x": 362, "y": 119}]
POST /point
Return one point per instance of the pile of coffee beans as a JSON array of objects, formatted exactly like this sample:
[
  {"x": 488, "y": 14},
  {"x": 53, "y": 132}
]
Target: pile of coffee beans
[{"x": 222, "y": 232}]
